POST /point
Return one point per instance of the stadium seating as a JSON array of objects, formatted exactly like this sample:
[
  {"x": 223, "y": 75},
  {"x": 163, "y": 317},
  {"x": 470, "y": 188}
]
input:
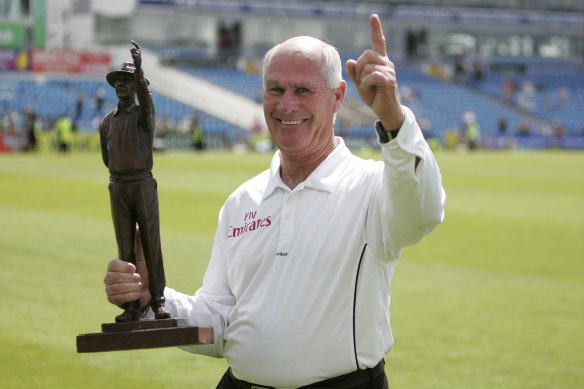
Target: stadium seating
[
  {"x": 52, "y": 97},
  {"x": 247, "y": 84},
  {"x": 438, "y": 102},
  {"x": 549, "y": 89}
]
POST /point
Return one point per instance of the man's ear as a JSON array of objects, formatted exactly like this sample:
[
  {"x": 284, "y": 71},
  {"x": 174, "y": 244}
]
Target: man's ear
[{"x": 340, "y": 95}]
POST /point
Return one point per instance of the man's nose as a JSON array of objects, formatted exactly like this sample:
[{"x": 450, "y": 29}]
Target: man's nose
[{"x": 288, "y": 102}]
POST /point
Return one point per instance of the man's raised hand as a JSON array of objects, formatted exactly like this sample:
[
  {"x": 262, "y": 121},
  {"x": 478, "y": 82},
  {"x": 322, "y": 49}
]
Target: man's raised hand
[{"x": 374, "y": 75}]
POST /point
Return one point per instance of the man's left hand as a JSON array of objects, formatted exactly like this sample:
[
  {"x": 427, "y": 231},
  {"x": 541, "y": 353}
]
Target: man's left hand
[{"x": 374, "y": 75}]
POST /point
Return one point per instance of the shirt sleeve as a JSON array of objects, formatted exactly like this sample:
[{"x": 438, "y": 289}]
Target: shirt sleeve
[
  {"x": 410, "y": 202},
  {"x": 210, "y": 305},
  {"x": 147, "y": 113},
  {"x": 103, "y": 141}
]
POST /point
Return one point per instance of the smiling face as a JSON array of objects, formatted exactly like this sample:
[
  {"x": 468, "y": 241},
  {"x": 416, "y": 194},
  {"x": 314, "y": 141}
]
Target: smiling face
[{"x": 299, "y": 107}]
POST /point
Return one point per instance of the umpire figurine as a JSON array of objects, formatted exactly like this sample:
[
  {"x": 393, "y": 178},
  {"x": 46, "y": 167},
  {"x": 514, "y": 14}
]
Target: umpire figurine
[{"x": 126, "y": 135}]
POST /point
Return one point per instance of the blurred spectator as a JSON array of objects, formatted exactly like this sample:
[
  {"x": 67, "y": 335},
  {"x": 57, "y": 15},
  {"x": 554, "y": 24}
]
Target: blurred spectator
[
  {"x": 78, "y": 109},
  {"x": 263, "y": 142},
  {"x": 478, "y": 71},
  {"x": 411, "y": 98},
  {"x": 525, "y": 97},
  {"x": 183, "y": 127},
  {"x": 564, "y": 96},
  {"x": 30, "y": 119},
  {"x": 545, "y": 128},
  {"x": 164, "y": 127},
  {"x": 8, "y": 120},
  {"x": 99, "y": 101},
  {"x": 79, "y": 105},
  {"x": 558, "y": 130},
  {"x": 503, "y": 140},
  {"x": 524, "y": 128},
  {"x": 425, "y": 126},
  {"x": 198, "y": 132},
  {"x": 502, "y": 125},
  {"x": 460, "y": 69},
  {"x": 472, "y": 131},
  {"x": 508, "y": 89},
  {"x": 64, "y": 129},
  {"x": 408, "y": 95}
]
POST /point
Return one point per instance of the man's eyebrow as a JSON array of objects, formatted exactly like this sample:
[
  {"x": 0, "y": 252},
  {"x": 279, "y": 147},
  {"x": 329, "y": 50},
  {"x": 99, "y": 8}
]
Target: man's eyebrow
[{"x": 295, "y": 85}]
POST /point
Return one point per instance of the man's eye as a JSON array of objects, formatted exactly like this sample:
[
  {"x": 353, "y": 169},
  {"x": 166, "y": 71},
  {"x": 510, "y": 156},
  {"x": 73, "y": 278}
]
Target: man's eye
[
  {"x": 276, "y": 90},
  {"x": 302, "y": 90}
]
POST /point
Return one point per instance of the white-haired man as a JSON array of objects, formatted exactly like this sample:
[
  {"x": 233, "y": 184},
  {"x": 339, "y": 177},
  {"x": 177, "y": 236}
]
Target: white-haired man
[{"x": 298, "y": 284}]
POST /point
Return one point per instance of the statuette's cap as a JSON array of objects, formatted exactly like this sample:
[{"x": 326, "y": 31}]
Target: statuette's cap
[{"x": 127, "y": 68}]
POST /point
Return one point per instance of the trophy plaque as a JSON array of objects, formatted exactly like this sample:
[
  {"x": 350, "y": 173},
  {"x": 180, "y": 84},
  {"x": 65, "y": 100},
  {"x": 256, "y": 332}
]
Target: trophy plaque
[{"x": 144, "y": 334}]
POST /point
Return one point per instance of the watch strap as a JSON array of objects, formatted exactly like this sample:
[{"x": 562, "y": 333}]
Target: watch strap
[{"x": 383, "y": 135}]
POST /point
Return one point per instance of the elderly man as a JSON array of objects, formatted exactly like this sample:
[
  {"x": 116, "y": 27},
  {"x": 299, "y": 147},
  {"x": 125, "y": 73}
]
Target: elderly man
[
  {"x": 126, "y": 135},
  {"x": 298, "y": 284}
]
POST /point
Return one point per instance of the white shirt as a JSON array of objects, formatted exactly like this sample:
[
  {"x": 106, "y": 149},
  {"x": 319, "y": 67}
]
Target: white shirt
[{"x": 298, "y": 285}]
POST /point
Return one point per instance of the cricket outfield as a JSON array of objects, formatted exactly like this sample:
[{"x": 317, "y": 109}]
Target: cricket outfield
[{"x": 492, "y": 299}]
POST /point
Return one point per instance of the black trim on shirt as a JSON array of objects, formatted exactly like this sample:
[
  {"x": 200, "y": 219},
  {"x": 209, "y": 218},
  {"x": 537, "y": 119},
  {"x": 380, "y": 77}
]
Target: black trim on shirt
[{"x": 355, "y": 307}]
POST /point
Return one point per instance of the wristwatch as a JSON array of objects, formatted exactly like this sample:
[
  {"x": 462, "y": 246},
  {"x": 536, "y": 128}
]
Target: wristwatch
[{"x": 383, "y": 135}]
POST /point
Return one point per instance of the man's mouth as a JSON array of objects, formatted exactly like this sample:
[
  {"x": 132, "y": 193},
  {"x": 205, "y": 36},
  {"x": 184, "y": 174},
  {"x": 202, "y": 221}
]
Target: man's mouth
[{"x": 291, "y": 122}]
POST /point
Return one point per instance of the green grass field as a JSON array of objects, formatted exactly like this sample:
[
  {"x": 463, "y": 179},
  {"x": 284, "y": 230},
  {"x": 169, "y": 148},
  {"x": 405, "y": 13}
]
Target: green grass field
[{"x": 494, "y": 298}]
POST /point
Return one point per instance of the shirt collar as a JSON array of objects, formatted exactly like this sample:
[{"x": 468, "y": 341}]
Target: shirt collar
[
  {"x": 322, "y": 178},
  {"x": 129, "y": 109}
]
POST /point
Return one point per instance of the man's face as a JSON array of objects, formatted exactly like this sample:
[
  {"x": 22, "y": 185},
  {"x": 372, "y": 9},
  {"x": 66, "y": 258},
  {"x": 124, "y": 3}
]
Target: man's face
[
  {"x": 124, "y": 84},
  {"x": 299, "y": 108}
]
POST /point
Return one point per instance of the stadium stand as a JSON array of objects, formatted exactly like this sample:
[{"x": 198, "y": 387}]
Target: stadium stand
[
  {"x": 441, "y": 103},
  {"x": 247, "y": 84},
  {"x": 551, "y": 90},
  {"x": 56, "y": 96},
  {"x": 539, "y": 99}
]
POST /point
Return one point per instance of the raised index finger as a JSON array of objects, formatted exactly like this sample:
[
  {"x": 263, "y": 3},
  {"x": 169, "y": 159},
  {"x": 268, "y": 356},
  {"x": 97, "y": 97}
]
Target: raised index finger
[
  {"x": 377, "y": 38},
  {"x": 135, "y": 44}
]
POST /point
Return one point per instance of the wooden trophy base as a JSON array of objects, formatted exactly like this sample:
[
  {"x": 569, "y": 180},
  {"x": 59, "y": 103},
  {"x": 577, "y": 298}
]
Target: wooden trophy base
[{"x": 143, "y": 335}]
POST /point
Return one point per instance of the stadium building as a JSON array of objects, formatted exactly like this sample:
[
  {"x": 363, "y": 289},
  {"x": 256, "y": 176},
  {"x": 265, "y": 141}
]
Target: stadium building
[{"x": 508, "y": 72}]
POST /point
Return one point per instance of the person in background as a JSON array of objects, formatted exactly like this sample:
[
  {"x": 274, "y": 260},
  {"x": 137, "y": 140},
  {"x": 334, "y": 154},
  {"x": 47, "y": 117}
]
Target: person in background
[
  {"x": 472, "y": 130},
  {"x": 197, "y": 131},
  {"x": 78, "y": 109},
  {"x": 99, "y": 100},
  {"x": 64, "y": 129},
  {"x": 30, "y": 119}
]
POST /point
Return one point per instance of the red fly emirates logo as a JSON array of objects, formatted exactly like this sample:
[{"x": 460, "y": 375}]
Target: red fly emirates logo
[{"x": 250, "y": 223}]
